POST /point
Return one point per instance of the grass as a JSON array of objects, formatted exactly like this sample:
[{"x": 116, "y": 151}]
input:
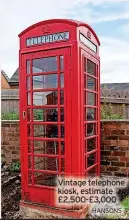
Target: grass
[
  {"x": 14, "y": 167},
  {"x": 125, "y": 204},
  {"x": 112, "y": 217}
]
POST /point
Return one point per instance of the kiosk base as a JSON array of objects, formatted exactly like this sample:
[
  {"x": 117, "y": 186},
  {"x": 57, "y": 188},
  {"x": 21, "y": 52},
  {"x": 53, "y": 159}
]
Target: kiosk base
[{"x": 35, "y": 211}]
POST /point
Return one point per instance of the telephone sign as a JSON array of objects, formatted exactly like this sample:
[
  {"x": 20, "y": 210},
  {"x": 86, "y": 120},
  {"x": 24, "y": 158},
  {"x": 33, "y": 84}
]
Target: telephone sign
[{"x": 47, "y": 38}]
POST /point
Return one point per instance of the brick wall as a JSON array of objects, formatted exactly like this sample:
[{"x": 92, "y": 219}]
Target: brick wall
[
  {"x": 10, "y": 141},
  {"x": 114, "y": 145}
]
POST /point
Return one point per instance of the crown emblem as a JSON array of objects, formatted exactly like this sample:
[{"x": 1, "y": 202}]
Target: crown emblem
[
  {"x": 88, "y": 34},
  {"x": 46, "y": 29}
]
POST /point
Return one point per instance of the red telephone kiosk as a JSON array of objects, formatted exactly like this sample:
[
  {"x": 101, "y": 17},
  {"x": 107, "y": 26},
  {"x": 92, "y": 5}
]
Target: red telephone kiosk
[{"x": 59, "y": 106}]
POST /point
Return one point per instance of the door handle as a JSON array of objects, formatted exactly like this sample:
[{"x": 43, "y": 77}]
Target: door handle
[{"x": 24, "y": 114}]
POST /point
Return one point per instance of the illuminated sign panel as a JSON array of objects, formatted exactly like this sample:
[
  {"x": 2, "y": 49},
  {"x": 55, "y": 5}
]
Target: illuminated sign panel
[
  {"x": 47, "y": 38},
  {"x": 88, "y": 43}
]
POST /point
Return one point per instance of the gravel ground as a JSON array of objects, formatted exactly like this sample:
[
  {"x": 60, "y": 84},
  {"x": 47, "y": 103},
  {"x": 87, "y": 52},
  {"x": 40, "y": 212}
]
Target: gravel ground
[{"x": 11, "y": 195}]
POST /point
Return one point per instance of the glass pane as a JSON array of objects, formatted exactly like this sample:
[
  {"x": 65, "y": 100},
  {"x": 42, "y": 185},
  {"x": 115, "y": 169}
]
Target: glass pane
[
  {"x": 61, "y": 62},
  {"x": 62, "y": 131},
  {"x": 46, "y": 114},
  {"x": 45, "y": 98},
  {"x": 28, "y": 83},
  {"x": 46, "y": 163},
  {"x": 29, "y": 162},
  {"x": 28, "y": 98},
  {"x": 29, "y": 177},
  {"x": 85, "y": 81},
  {"x": 85, "y": 64},
  {"x": 28, "y": 114},
  {"x": 62, "y": 97},
  {"x": 91, "y": 114},
  {"x": 29, "y": 130},
  {"x": 30, "y": 146},
  {"x": 49, "y": 131},
  {"x": 91, "y": 160},
  {"x": 92, "y": 172},
  {"x": 62, "y": 114},
  {"x": 62, "y": 80},
  {"x": 62, "y": 148},
  {"x": 45, "y": 179},
  {"x": 28, "y": 66},
  {"x": 91, "y": 129},
  {"x": 44, "y": 64},
  {"x": 91, "y": 99},
  {"x": 91, "y": 83},
  {"x": 46, "y": 147},
  {"x": 62, "y": 165},
  {"x": 39, "y": 163},
  {"x": 91, "y": 67},
  {"x": 91, "y": 144},
  {"x": 45, "y": 81}
]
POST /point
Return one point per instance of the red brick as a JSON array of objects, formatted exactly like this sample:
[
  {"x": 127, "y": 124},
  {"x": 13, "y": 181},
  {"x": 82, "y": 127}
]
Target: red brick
[
  {"x": 112, "y": 137},
  {"x": 119, "y": 174},
  {"x": 127, "y": 154},
  {"x": 119, "y": 164},
  {"x": 109, "y": 173},
  {"x": 125, "y": 170},
  {"x": 102, "y": 168},
  {"x": 111, "y": 126},
  {"x": 15, "y": 152},
  {"x": 124, "y": 126},
  {"x": 102, "y": 147},
  {"x": 107, "y": 132},
  {"x": 122, "y": 132},
  {"x": 113, "y": 142},
  {"x": 124, "y": 137},
  {"x": 123, "y": 143},
  {"x": 124, "y": 159},
  {"x": 118, "y": 153},
  {"x": 105, "y": 152},
  {"x": 15, "y": 160},
  {"x": 106, "y": 148},
  {"x": 123, "y": 148},
  {"x": 113, "y": 158},
  {"x": 11, "y": 147},
  {"x": 106, "y": 142},
  {"x": 111, "y": 168},
  {"x": 127, "y": 164}
]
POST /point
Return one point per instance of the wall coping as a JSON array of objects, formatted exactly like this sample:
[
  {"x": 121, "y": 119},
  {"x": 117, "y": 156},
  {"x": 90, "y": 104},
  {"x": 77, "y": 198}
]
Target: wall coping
[
  {"x": 102, "y": 121},
  {"x": 10, "y": 121},
  {"x": 115, "y": 120}
]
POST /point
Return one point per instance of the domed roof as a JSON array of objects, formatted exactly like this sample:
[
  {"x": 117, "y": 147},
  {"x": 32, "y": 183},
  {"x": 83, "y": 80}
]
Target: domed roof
[{"x": 66, "y": 21}]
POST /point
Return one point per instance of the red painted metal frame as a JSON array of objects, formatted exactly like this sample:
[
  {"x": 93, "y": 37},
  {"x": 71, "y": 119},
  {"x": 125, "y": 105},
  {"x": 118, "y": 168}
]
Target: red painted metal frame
[
  {"x": 96, "y": 136},
  {"x": 74, "y": 53},
  {"x": 67, "y": 103}
]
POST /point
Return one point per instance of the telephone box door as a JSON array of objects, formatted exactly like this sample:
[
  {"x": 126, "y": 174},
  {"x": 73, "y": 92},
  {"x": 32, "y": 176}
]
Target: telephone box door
[
  {"x": 45, "y": 122},
  {"x": 91, "y": 113}
]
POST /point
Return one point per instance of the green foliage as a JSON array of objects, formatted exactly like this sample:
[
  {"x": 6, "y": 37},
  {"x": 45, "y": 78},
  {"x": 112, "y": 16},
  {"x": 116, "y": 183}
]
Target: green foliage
[
  {"x": 10, "y": 116},
  {"x": 112, "y": 217},
  {"x": 38, "y": 114},
  {"x": 125, "y": 203},
  {"x": 14, "y": 167},
  {"x": 107, "y": 112},
  {"x": 2, "y": 160}
]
